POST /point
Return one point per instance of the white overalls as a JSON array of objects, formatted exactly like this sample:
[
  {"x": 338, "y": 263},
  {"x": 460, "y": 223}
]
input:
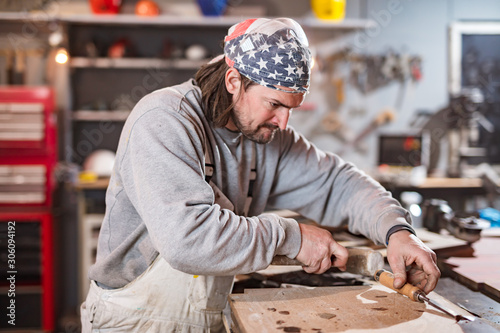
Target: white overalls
[{"x": 163, "y": 299}]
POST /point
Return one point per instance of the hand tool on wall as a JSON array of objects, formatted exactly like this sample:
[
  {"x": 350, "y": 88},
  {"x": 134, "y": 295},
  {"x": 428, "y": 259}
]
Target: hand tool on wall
[
  {"x": 383, "y": 117},
  {"x": 364, "y": 261},
  {"x": 414, "y": 293}
]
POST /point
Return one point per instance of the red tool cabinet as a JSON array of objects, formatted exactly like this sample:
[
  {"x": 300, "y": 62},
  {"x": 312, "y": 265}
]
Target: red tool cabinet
[{"x": 28, "y": 155}]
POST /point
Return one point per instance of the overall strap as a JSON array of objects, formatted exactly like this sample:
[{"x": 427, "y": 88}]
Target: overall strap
[
  {"x": 253, "y": 177},
  {"x": 210, "y": 167}
]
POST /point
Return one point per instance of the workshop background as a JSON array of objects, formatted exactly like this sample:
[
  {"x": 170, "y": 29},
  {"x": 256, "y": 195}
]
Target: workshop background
[{"x": 409, "y": 91}]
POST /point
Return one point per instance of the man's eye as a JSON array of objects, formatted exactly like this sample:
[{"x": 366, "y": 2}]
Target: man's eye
[{"x": 274, "y": 105}]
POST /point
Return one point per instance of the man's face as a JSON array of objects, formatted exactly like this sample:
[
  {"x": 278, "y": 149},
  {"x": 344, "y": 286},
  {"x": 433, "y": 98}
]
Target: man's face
[{"x": 260, "y": 112}]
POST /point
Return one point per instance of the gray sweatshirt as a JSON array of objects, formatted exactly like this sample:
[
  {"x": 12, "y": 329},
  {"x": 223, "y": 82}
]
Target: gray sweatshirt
[{"x": 158, "y": 202}]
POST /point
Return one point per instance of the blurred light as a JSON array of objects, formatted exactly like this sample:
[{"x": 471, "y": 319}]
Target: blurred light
[
  {"x": 62, "y": 56},
  {"x": 56, "y": 38},
  {"x": 313, "y": 62},
  {"x": 415, "y": 210}
]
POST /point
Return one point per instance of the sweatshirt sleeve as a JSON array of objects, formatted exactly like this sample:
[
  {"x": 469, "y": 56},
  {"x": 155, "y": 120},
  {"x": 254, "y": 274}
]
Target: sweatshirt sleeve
[
  {"x": 162, "y": 170},
  {"x": 331, "y": 191}
]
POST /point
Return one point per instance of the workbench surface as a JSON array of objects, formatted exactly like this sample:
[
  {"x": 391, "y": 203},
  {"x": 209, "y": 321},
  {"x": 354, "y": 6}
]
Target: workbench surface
[{"x": 335, "y": 309}]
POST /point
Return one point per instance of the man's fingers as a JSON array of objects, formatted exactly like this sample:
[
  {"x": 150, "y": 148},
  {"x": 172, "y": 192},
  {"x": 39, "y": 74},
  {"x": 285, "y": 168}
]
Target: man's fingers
[
  {"x": 399, "y": 271},
  {"x": 318, "y": 268},
  {"x": 326, "y": 263},
  {"x": 416, "y": 276},
  {"x": 309, "y": 269},
  {"x": 339, "y": 256},
  {"x": 433, "y": 275}
]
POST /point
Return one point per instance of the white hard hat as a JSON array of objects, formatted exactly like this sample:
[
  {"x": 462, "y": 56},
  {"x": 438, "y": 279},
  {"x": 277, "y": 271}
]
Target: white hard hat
[{"x": 100, "y": 162}]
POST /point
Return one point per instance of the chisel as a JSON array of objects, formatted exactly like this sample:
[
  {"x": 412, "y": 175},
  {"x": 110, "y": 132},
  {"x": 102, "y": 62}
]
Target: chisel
[
  {"x": 364, "y": 261},
  {"x": 414, "y": 293}
]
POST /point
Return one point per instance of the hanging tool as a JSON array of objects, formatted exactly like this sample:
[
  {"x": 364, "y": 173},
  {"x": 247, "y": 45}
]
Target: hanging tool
[
  {"x": 383, "y": 117},
  {"x": 364, "y": 261},
  {"x": 414, "y": 293}
]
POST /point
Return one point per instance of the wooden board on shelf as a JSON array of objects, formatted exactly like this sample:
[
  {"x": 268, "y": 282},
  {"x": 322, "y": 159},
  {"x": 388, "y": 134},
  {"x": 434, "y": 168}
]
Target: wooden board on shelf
[{"x": 332, "y": 309}]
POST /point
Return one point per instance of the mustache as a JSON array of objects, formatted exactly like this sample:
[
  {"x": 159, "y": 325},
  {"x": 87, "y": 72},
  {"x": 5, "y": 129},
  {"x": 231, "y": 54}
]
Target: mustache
[{"x": 268, "y": 125}]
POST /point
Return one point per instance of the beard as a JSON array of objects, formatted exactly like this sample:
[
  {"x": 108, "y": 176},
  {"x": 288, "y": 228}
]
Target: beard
[{"x": 264, "y": 133}]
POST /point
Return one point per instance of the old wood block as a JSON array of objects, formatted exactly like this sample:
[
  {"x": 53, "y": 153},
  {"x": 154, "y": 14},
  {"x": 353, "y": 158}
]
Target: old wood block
[{"x": 333, "y": 309}]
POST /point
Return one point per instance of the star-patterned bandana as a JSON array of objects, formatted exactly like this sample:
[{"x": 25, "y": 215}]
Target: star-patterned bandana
[{"x": 271, "y": 52}]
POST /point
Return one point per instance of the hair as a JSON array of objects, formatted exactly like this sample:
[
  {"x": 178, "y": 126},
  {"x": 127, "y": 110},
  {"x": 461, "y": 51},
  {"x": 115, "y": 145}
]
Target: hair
[{"x": 217, "y": 102}]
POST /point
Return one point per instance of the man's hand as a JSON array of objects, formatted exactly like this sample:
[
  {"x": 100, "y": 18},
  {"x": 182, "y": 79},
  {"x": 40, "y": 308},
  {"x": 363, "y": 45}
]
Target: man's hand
[
  {"x": 406, "y": 250},
  {"x": 318, "y": 251}
]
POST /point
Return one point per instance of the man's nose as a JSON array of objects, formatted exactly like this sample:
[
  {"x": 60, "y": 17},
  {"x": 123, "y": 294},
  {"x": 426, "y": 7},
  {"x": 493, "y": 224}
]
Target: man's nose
[{"x": 281, "y": 117}]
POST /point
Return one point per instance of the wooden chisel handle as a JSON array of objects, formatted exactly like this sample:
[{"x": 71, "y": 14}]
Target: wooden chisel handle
[
  {"x": 364, "y": 261},
  {"x": 387, "y": 279}
]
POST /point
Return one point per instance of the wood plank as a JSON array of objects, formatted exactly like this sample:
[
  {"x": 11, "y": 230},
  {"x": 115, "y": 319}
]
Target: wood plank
[
  {"x": 330, "y": 309},
  {"x": 439, "y": 241},
  {"x": 480, "y": 270},
  {"x": 436, "y": 182}
]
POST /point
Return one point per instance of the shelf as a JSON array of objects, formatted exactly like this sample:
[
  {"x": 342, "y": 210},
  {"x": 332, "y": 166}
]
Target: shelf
[
  {"x": 89, "y": 115},
  {"x": 202, "y": 21},
  {"x": 138, "y": 63},
  {"x": 346, "y": 24},
  {"x": 163, "y": 20},
  {"x": 99, "y": 184},
  {"x": 125, "y": 19},
  {"x": 171, "y": 20}
]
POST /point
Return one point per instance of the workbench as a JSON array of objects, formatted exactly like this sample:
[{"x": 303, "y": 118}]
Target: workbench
[
  {"x": 453, "y": 287},
  {"x": 281, "y": 310},
  {"x": 457, "y": 191},
  {"x": 372, "y": 308}
]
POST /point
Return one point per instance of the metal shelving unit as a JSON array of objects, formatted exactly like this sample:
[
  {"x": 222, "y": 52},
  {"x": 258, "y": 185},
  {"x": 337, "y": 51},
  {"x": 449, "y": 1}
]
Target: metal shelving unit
[{"x": 90, "y": 115}]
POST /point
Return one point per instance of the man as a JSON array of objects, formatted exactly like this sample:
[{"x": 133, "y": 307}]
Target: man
[{"x": 197, "y": 165}]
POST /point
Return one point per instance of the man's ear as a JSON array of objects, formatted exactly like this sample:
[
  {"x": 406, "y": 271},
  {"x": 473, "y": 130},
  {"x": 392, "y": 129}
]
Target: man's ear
[{"x": 233, "y": 82}]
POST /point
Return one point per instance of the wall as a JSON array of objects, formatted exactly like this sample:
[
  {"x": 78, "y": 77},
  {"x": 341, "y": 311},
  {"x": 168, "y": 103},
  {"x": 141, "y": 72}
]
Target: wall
[{"x": 415, "y": 27}]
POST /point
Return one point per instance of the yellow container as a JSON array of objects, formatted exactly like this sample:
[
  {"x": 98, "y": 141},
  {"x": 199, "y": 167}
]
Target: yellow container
[{"x": 329, "y": 9}]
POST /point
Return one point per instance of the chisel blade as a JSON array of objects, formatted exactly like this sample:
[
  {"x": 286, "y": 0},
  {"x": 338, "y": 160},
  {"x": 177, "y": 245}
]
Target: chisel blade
[{"x": 449, "y": 312}]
